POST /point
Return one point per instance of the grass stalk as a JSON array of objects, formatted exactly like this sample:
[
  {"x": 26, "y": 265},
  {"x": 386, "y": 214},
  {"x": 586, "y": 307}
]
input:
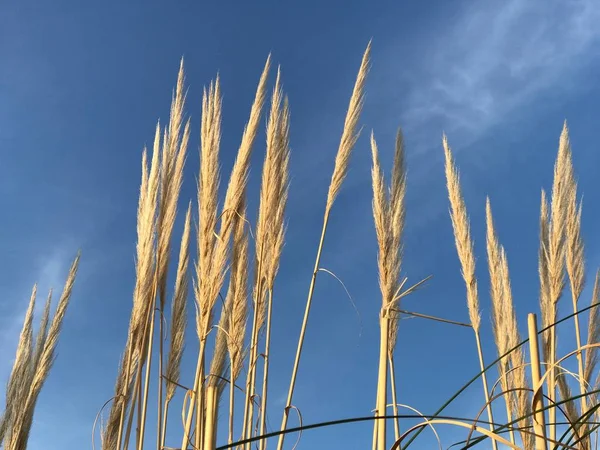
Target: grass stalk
[
  {"x": 382, "y": 380},
  {"x": 465, "y": 250},
  {"x": 394, "y": 397},
  {"x": 349, "y": 137},
  {"x": 210, "y": 430},
  {"x": 263, "y": 399},
  {"x": 539, "y": 422}
]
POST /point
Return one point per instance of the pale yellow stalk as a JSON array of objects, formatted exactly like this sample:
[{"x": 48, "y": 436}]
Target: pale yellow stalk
[{"x": 349, "y": 137}]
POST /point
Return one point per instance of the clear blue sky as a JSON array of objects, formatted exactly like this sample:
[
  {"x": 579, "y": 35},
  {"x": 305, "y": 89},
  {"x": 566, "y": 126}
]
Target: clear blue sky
[{"x": 81, "y": 88}]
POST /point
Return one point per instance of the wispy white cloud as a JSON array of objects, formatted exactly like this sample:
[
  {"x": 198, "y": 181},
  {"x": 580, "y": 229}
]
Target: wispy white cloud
[
  {"x": 50, "y": 272},
  {"x": 495, "y": 58}
]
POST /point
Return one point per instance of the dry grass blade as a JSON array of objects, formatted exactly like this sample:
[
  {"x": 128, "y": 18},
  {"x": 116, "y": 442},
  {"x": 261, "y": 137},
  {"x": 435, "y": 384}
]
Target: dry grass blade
[{"x": 350, "y": 133}]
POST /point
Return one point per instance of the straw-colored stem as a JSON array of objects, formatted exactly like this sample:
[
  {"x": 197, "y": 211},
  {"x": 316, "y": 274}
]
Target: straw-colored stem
[
  {"x": 485, "y": 386},
  {"x": 382, "y": 380},
  {"x": 140, "y": 444},
  {"x": 231, "y": 403},
  {"x": 248, "y": 404},
  {"x": 200, "y": 403},
  {"x": 163, "y": 431},
  {"x": 311, "y": 290},
  {"x": 194, "y": 398},
  {"x": 374, "y": 446},
  {"x": 539, "y": 421},
  {"x": 580, "y": 364},
  {"x": 134, "y": 400},
  {"x": 211, "y": 418},
  {"x": 253, "y": 361},
  {"x": 263, "y": 399},
  {"x": 394, "y": 397},
  {"x": 159, "y": 413},
  {"x": 552, "y": 386},
  {"x": 123, "y": 402}
]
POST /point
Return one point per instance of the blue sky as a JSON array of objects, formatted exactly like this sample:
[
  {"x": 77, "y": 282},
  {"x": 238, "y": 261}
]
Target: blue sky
[{"x": 81, "y": 88}]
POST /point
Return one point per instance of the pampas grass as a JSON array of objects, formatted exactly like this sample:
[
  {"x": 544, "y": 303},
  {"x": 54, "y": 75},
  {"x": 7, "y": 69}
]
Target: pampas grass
[
  {"x": 466, "y": 256},
  {"x": 236, "y": 262},
  {"x": 32, "y": 366}
]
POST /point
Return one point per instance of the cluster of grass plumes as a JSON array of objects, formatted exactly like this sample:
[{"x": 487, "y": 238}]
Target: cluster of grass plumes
[
  {"x": 233, "y": 276},
  {"x": 33, "y": 361}
]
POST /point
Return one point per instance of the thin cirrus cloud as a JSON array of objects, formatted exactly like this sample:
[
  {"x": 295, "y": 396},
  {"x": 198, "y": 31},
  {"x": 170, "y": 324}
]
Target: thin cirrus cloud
[
  {"x": 51, "y": 273},
  {"x": 495, "y": 58}
]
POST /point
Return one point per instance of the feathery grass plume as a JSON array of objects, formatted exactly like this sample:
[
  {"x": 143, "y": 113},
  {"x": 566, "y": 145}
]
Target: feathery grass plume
[
  {"x": 512, "y": 369},
  {"x": 397, "y": 215},
  {"x": 555, "y": 257},
  {"x": 350, "y": 133},
  {"x": 545, "y": 303},
  {"x": 349, "y": 136},
  {"x": 264, "y": 240},
  {"x": 466, "y": 256},
  {"x": 234, "y": 197},
  {"x": 575, "y": 263},
  {"x": 172, "y": 162},
  {"x": 570, "y": 409},
  {"x": 388, "y": 214},
  {"x": 278, "y": 159},
  {"x": 144, "y": 297},
  {"x": 208, "y": 190},
  {"x": 499, "y": 308},
  {"x": 42, "y": 333},
  {"x": 113, "y": 430},
  {"x": 174, "y": 148},
  {"x": 521, "y": 399},
  {"x": 178, "y": 319},
  {"x": 179, "y": 309},
  {"x": 18, "y": 434},
  {"x": 218, "y": 363},
  {"x": 210, "y": 278},
  {"x": 20, "y": 376},
  {"x": 237, "y": 301},
  {"x": 207, "y": 198},
  {"x": 273, "y": 192}
]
